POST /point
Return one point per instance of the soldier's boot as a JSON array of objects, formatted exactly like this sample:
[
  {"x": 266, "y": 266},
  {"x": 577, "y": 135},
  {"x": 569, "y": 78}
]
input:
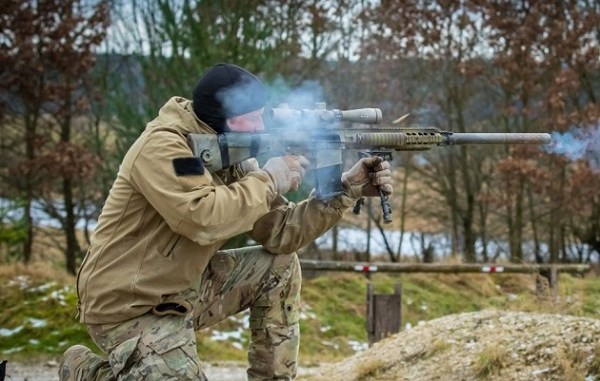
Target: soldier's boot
[{"x": 80, "y": 363}]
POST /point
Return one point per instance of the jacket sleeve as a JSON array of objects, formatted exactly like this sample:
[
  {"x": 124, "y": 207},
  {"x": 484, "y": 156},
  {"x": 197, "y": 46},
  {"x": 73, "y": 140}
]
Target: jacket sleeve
[
  {"x": 193, "y": 205},
  {"x": 289, "y": 227}
]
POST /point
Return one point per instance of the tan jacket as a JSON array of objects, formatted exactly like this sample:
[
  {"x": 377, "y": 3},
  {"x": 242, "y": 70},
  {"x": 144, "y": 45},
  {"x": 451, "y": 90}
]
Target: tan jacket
[{"x": 157, "y": 231}]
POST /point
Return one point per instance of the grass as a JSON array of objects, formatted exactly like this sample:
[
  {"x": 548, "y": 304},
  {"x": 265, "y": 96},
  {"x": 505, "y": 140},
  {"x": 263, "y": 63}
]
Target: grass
[
  {"x": 594, "y": 367},
  {"x": 38, "y": 308},
  {"x": 370, "y": 369},
  {"x": 490, "y": 361},
  {"x": 437, "y": 347},
  {"x": 571, "y": 364},
  {"x": 38, "y": 316}
]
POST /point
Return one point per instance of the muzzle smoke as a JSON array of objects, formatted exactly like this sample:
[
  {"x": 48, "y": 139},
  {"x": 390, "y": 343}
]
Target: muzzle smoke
[{"x": 578, "y": 144}]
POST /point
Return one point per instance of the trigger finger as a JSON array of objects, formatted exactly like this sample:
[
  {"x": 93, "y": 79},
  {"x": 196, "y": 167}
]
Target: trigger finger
[
  {"x": 301, "y": 171},
  {"x": 303, "y": 161},
  {"x": 383, "y": 165}
]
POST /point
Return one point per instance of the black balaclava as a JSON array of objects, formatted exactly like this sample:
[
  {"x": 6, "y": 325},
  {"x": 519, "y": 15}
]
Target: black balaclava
[{"x": 224, "y": 91}]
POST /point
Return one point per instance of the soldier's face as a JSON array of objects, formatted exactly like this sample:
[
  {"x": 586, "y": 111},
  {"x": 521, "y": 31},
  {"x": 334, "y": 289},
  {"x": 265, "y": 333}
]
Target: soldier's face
[{"x": 250, "y": 122}]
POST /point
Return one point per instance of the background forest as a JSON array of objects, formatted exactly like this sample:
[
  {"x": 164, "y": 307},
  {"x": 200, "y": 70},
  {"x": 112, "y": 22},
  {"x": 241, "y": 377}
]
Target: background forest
[{"x": 79, "y": 79}]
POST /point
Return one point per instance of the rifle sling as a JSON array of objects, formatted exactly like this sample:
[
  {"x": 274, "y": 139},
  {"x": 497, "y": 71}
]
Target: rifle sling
[
  {"x": 224, "y": 147},
  {"x": 254, "y": 145}
]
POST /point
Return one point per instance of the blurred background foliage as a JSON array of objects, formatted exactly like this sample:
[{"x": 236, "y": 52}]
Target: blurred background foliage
[{"x": 79, "y": 79}]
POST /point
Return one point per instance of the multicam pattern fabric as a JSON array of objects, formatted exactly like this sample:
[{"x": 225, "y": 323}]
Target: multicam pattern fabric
[
  {"x": 162, "y": 345},
  {"x": 270, "y": 286}
]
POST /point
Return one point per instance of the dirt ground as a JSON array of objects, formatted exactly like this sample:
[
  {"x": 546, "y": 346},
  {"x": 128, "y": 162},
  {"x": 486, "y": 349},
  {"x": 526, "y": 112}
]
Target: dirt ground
[
  {"x": 48, "y": 372},
  {"x": 487, "y": 345}
]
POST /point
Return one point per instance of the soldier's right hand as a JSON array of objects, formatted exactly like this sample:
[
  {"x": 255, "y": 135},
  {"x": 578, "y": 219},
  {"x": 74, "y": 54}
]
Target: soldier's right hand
[{"x": 286, "y": 172}]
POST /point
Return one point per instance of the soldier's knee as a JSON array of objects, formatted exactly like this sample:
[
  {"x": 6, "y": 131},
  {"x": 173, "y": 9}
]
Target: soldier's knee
[
  {"x": 156, "y": 357},
  {"x": 279, "y": 304},
  {"x": 286, "y": 267}
]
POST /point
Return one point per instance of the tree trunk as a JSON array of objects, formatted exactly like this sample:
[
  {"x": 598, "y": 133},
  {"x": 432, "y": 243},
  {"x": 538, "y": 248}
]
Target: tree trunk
[
  {"x": 534, "y": 228},
  {"x": 466, "y": 172},
  {"x": 517, "y": 248},
  {"x": 73, "y": 248},
  {"x": 511, "y": 229},
  {"x": 402, "y": 212},
  {"x": 469, "y": 240},
  {"x": 69, "y": 228},
  {"x": 30, "y": 124},
  {"x": 453, "y": 208},
  {"x": 556, "y": 220},
  {"x": 28, "y": 242},
  {"x": 483, "y": 232}
]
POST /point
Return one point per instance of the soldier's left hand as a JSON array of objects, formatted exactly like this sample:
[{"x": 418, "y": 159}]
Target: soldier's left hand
[{"x": 367, "y": 176}]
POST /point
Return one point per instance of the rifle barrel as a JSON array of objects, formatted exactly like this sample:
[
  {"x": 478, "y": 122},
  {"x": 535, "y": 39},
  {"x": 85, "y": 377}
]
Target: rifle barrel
[{"x": 497, "y": 138}]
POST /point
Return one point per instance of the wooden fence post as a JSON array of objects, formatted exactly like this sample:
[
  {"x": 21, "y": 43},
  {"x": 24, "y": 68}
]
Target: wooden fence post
[
  {"x": 384, "y": 313},
  {"x": 546, "y": 284}
]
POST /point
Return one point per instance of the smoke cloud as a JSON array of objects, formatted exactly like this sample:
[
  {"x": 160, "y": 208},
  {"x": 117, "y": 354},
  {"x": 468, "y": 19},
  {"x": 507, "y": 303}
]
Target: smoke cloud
[
  {"x": 246, "y": 96},
  {"x": 578, "y": 144},
  {"x": 298, "y": 100},
  {"x": 303, "y": 96}
]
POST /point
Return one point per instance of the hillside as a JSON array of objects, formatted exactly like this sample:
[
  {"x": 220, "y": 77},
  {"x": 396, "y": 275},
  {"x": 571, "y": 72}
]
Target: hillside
[{"x": 486, "y": 345}]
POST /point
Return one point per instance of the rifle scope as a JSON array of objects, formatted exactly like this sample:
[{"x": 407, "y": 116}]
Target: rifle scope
[{"x": 284, "y": 115}]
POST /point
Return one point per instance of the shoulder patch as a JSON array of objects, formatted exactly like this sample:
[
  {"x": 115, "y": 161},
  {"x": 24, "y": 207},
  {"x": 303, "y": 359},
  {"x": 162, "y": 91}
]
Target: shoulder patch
[{"x": 188, "y": 166}]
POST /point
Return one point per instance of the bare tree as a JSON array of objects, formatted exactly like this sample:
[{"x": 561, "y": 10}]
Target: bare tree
[
  {"x": 443, "y": 39},
  {"x": 48, "y": 48},
  {"x": 547, "y": 57}
]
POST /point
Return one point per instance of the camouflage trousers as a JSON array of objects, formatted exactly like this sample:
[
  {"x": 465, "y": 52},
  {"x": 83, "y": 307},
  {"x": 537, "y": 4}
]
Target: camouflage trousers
[{"x": 162, "y": 345}]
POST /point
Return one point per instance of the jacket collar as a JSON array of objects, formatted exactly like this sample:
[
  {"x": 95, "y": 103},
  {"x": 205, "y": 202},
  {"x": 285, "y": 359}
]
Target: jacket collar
[{"x": 178, "y": 112}]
